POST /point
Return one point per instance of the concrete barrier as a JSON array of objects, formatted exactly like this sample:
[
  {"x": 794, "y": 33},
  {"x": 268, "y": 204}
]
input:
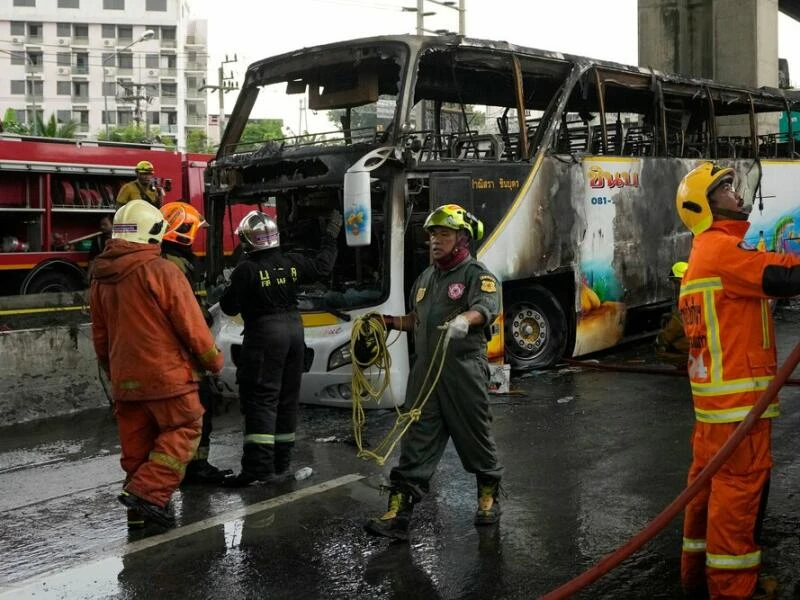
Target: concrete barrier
[{"x": 48, "y": 372}]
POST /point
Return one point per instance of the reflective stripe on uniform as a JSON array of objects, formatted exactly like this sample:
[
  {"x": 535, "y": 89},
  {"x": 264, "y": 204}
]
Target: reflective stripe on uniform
[
  {"x": 690, "y": 545},
  {"x": 765, "y": 314},
  {"x": 131, "y": 384},
  {"x": 708, "y": 287},
  {"x": 168, "y": 461},
  {"x": 728, "y": 561},
  {"x": 734, "y": 415},
  {"x": 209, "y": 354},
  {"x": 260, "y": 438},
  {"x": 284, "y": 437},
  {"x": 734, "y": 386}
]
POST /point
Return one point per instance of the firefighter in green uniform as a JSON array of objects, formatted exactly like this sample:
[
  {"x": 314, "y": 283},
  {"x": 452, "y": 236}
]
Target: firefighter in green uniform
[{"x": 457, "y": 297}]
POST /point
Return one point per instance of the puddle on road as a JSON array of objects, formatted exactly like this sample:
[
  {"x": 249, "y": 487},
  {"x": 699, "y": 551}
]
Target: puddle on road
[{"x": 100, "y": 579}]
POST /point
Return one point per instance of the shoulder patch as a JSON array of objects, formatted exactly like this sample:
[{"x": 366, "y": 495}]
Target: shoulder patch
[
  {"x": 420, "y": 294},
  {"x": 747, "y": 246},
  {"x": 488, "y": 284}
]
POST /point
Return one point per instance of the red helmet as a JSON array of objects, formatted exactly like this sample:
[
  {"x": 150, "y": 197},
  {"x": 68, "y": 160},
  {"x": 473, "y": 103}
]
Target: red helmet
[{"x": 183, "y": 221}]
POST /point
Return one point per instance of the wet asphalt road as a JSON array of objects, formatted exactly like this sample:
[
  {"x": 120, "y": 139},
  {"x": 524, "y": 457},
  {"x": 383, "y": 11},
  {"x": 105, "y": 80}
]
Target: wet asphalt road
[{"x": 591, "y": 456}]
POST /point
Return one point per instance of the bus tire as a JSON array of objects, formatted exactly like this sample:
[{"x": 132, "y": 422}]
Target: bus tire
[
  {"x": 51, "y": 281},
  {"x": 536, "y": 328}
]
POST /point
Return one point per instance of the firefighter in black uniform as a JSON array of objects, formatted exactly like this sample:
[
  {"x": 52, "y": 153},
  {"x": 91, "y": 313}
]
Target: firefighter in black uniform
[
  {"x": 263, "y": 289},
  {"x": 183, "y": 223}
]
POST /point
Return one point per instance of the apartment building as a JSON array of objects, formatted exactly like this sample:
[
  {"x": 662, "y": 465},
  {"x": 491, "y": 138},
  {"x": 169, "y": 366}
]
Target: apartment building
[{"x": 105, "y": 63}]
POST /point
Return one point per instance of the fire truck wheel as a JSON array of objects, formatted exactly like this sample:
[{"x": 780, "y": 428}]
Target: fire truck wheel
[
  {"x": 50, "y": 282},
  {"x": 535, "y": 328}
]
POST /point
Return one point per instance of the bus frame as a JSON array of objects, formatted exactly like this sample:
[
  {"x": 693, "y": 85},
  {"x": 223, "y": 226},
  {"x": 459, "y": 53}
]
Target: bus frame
[{"x": 573, "y": 167}]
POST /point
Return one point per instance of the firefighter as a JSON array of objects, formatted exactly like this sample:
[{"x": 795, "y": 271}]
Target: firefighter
[
  {"x": 457, "y": 292},
  {"x": 263, "y": 289},
  {"x": 142, "y": 188},
  {"x": 152, "y": 341},
  {"x": 724, "y": 304},
  {"x": 671, "y": 343},
  {"x": 183, "y": 223}
]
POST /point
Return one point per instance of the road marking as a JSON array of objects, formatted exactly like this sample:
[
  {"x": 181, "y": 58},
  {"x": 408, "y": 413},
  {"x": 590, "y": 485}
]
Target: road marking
[{"x": 124, "y": 548}]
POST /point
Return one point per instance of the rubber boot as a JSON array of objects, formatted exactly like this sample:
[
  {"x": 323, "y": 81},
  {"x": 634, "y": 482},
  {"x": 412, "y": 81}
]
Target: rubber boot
[
  {"x": 489, "y": 510},
  {"x": 283, "y": 458},
  {"x": 396, "y": 520},
  {"x": 135, "y": 520},
  {"x": 151, "y": 512},
  {"x": 200, "y": 471}
]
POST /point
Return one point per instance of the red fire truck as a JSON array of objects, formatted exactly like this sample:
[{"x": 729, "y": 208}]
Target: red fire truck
[{"x": 53, "y": 193}]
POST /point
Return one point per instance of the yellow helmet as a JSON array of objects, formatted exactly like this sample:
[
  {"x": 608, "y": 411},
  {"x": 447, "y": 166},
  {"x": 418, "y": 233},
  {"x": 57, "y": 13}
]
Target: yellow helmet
[
  {"x": 144, "y": 166},
  {"x": 693, "y": 191},
  {"x": 679, "y": 269},
  {"x": 138, "y": 221},
  {"x": 452, "y": 216}
]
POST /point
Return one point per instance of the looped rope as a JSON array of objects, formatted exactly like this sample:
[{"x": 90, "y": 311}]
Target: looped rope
[{"x": 371, "y": 326}]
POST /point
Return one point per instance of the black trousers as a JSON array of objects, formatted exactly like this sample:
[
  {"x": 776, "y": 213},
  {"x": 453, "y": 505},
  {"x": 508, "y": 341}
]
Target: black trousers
[
  {"x": 269, "y": 374},
  {"x": 207, "y": 395}
]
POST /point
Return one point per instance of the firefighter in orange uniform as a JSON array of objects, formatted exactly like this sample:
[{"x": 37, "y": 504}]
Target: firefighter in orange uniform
[
  {"x": 724, "y": 304},
  {"x": 151, "y": 339}
]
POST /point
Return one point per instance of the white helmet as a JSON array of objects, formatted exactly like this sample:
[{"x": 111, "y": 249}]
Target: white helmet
[
  {"x": 258, "y": 231},
  {"x": 138, "y": 221}
]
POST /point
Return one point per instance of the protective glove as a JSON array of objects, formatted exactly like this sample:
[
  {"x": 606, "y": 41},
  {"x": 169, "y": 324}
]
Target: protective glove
[
  {"x": 457, "y": 328},
  {"x": 334, "y": 224},
  {"x": 215, "y": 293}
]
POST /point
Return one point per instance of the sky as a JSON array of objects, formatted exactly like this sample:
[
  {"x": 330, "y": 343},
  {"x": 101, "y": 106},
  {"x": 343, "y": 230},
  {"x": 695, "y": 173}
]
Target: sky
[{"x": 256, "y": 29}]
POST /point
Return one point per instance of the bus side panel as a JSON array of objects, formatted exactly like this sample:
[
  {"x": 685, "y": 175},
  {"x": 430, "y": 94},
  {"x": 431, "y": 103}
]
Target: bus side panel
[{"x": 775, "y": 221}]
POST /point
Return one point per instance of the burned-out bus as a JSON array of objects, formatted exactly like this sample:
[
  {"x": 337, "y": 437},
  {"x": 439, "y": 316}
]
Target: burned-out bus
[{"x": 571, "y": 163}]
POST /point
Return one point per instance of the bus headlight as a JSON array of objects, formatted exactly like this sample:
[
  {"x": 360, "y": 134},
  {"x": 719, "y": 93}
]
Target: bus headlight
[{"x": 339, "y": 357}]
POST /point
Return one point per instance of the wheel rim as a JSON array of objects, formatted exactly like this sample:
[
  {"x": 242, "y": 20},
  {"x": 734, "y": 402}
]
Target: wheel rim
[{"x": 528, "y": 330}]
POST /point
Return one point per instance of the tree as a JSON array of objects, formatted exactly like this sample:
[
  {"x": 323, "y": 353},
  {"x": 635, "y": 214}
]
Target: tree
[
  {"x": 11, "y": 125},
  {"x": 55, "y": 129},
  {"x": 197, "y": 141},
  {"x": 261, "y": 130},
  {"x": 137, "y": 135}
]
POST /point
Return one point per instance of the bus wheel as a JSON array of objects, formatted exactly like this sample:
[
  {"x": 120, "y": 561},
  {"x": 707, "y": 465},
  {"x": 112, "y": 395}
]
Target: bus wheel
[
  {"x": 51, "y": 282},
  {"x": 535, "y": 328}
]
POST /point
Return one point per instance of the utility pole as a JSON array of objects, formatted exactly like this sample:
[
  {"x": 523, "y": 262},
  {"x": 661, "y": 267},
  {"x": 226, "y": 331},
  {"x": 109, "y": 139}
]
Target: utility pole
[
  {"x": 226, "y": 84},
  {"x": 136, "y": 98}
]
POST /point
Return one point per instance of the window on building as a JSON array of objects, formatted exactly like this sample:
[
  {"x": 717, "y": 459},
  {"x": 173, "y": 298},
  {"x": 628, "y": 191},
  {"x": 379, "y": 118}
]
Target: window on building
[
  {"x": 125, "y": 117},
  {"x": 63, "y": 59},
  {"x": 34, "y": 30},
  {"x": 109, "y": 117},
  {"x": 113, "y": 4},
  {"x": 17, "y": 58},
  {"x": 156, "y": 5},
  {"x": 151, "y": 61},
  {"x": 109, "y": 88},
  {"x": 63, "y": 88},
  {"x": 125, "y": 32},
  {"x": 63, "y": 29},
  {"x": 35, "y": 88},
  {"x": 17, "y": 87},
  {"x": 109, "y": 31},
  {"x": 80, "y": 30},
  {"x": 81, "y": 117},
  {"x": 125, "y": 60},
  {"x": 168, "y": 33},
  {"x": 153, "y": 117},
  {"x": 169, "y": 118},
  {"x": 191, "y": 85},
  {"x": 191, "y": 109},
  {"x": 35, "y": 59},
  {"x": 170, "y": 61},
  {"x": 68, "y": 3},
  {"x": 82, "y": 62},
  {"x": 63, "y": 116},
  {"x": 108, "y": 59},
  {"x": 169, "y": 90},
  {"x": 80, "y": 89},
  {"x": 17, "y": 28},
  {"x": 24, "y": 2}
]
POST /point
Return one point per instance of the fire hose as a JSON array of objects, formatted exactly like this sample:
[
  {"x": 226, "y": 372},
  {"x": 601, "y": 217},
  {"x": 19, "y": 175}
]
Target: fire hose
[{"x": 611, "y": 561}]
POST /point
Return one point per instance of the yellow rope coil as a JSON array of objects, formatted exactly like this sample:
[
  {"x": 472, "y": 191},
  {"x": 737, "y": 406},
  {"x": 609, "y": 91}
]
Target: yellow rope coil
[{"x": 370, "y": 330}]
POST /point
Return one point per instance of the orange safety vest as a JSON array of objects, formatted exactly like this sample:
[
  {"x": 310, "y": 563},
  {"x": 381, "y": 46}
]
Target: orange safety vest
[{"x": 728, "y": 322}]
